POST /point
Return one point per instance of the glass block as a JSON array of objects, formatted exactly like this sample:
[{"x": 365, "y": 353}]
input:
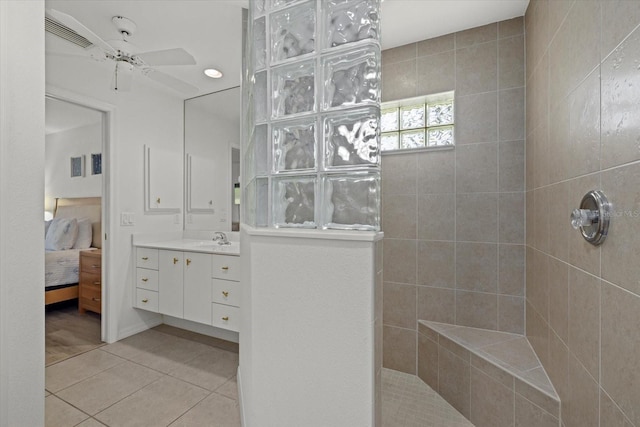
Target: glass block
[
  {"x": 440, "y": 114},
  {"x": 412, "y": 117},
  {"x": 352, "y": 78},
  {"x": 293, "y": 202},
  {"x": 348, "y": 21},
  {"x": 293, "y": 32},
  {"x": 412, "y": 139},
  {"x": 389, "y": 120},
  {"x": 277, "y": 4},
  {"x": 259, "y": 43},
  {"x": 352, "y": 202},
  {"x": 258, "y": 7},
  {"x": 261, "y": 144},
  {"x": 262, "y": 202},
  {"x": 389, "y": 141},
  {"x": 249, "y": 203},
  {"x": 440, "y": 137},
  {"x": 351, "y": 139},
  {"x": 260, "y": 104},
  {"x": 294, "y": 145},
  {"x": 249, "y": 163},
  {"x": 293, "y": 89}
]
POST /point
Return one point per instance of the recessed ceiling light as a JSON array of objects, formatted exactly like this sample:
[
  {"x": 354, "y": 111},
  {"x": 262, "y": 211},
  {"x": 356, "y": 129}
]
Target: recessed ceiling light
[{"x": 213, "y": 73}]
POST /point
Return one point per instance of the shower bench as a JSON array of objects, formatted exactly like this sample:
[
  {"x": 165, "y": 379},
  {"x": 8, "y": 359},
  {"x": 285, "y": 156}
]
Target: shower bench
[{"x": 493, "y": 378}]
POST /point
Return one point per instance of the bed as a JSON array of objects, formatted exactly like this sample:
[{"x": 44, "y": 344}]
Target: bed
[{"x": 62, "y": 266}]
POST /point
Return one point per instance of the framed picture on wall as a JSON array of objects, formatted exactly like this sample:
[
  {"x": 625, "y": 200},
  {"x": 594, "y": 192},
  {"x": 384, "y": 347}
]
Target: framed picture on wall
[
  {"x": 77, "y": 166},
  {"x": 96, "y": 164}
]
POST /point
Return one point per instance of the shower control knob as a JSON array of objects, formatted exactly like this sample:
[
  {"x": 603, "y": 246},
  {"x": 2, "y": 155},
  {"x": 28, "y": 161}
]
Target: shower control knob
[
  {"x": 583, "y": 217},
  {"x": 592, "y": 218}
]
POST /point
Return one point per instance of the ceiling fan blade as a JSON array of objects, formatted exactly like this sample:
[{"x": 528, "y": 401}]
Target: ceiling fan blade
[
  {"x": 170, "y": 81},
  {"x": 79, "y": 28},
  {"x": 177, "y": 56}
]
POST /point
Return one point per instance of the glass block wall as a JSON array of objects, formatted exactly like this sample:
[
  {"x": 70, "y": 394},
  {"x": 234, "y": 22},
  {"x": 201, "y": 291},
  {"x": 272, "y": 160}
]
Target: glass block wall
[{"x": 311, "y": 137}]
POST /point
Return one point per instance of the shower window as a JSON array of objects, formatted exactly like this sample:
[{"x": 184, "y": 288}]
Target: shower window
[{"x": 418, "y": 123}]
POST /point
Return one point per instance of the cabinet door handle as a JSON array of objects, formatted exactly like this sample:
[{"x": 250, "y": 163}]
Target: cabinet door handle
[
  {"x": 95, "y": 299},
  {"x": 145, "y": 300},
  {"x": 175, "y": 260},
  {"x": 144, "y": 258},
  {"x": 94, "y": 266},
  {"x": 158, "y": 200},
  {"x": 144, "y": 279},
  {"x": 224, "y": 268},
  {"x": 188, "y": 261},
  {"x": 96, "y": 283},
  {"x": 225, "y": 293},
  {"x": 225, "y": 318}
]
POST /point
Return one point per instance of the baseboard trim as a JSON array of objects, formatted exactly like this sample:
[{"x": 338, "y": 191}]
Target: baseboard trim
[{"x": 240, "y": 399}]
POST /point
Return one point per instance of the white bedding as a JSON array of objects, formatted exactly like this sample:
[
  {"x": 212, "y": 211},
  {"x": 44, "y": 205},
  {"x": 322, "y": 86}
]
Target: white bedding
[{"x": 61, "y": 267}]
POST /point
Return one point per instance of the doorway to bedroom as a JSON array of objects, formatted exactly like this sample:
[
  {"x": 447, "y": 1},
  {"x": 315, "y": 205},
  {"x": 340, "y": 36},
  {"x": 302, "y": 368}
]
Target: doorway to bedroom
[{"x": 73, "y": 191}]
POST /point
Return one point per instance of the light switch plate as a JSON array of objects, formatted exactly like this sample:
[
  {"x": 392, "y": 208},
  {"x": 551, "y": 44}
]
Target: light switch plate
[{"x": 127, "y": 218}]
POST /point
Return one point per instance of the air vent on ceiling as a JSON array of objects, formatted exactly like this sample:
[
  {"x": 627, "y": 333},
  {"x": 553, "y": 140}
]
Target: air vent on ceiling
[{"x": 66, "y": 33}]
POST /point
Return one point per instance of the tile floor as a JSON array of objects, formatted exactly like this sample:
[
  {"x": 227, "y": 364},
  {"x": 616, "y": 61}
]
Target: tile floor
[{"x": 170, "y": 377}]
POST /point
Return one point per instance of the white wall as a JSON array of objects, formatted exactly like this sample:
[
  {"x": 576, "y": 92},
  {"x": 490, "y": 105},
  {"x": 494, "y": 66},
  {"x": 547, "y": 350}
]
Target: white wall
[
  {"x": 21, "y": 207},
  {"x": 59, "y": 148},
  {"x": 150, "y": 115}
]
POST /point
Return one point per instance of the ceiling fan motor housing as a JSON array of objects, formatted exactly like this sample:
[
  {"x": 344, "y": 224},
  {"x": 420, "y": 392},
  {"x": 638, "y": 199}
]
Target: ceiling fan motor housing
[{"x": 125, "y": 26}]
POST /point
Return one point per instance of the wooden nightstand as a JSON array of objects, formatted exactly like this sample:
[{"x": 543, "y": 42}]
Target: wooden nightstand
[{"x": 90, "y": 283}]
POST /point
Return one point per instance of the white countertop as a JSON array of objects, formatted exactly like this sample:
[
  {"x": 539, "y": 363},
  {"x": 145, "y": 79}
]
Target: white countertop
[{"x": 194, "y": 245}]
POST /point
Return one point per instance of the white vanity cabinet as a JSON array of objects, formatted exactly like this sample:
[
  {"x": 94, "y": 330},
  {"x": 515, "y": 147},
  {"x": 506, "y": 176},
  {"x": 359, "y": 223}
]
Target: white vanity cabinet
[
  {"x": 184, "y": 283},
  {"x": 225, "y": 291},
  {"x": 146, "y": 292}
]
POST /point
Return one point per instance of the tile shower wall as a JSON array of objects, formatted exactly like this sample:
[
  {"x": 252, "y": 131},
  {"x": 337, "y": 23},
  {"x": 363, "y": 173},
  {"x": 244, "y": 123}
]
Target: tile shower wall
[
  {"x": 454, "y": 219},
  {"x": 583, "y": 302}
]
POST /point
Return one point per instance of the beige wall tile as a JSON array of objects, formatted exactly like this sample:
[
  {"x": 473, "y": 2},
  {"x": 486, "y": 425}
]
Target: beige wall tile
[
  {"x": 436, "y": 216},
  {"x": 437, "y": 264},
  {"x": 477, "y": 68},
  {"x": 492, "y": 404},
  {"x": 511, "y": 166},
  {"x": 559, "y": 298},
  {"x": 537, "y": 90},
  {"x": 511, "y": 269},
  {"x": 511, "y": 217},
  {"x": 477, "y": 35},
  {"x": 399, "y": 54},
  {"x": 619, "y": 18},
  {"x": 536, "y": 23},
  {"x": 477, "y": 168},
  {"x": 537, "y": 334},
  {"x": 476, "y": 118},
  {"x": 580, "y": 408},
  {"x": 399, "y": 306},
  {"x": 538, "y": 282},
  {"x": 399, "y": 174},
  {"x": 541, "y": 154},
  {"x": 560, "y": 156},
  {"x": 476, "y": 309},
  {"x": 557, "y": 366},
  {"x": 511, "y": 27},
  {"x": 496, "y": 373},
  {"x": 435, "y": 73},
  {"x": 399, "y": 349},
  {"x": 584, "y": 319},
  {"x": 529, "y": 415},
  {"x": 558, "y": 10},
  {"x": 400, "y": 261},
  {"x": 436, "y": 304},
  {"x": 477, "y": 266},
  {"x": 542, "y": 213},
  {"x": 399, "y": 216},
  {"x": 619, "y": 252},
  {"x": 610, "y": 413},
  {"x": 511, "y": 314},
  {"x": 436, "y": 172},
  {"x": 428, "y": 361},
  {"x": 584, "y": 129},
  {"x": 511, "y": 114},
  {"x": 454, "y": 380},
  {"x": 436, "y": 45},
  {"x": 620, "y": 344},
  {"x": 559, "y": 227},
  {"x": 477, "y": 217},
  {"x": 399, "y": 80}
]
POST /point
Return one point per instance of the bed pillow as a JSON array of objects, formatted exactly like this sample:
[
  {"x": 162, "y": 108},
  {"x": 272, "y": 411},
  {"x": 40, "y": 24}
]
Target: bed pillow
[
  {"x": 85, "y": 234},
  {"x": 46, "y": 227},
  {"x": 62, "y": 234}
]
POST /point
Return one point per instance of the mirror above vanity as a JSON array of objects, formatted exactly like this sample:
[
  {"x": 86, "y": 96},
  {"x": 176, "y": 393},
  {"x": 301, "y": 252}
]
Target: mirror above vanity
[{"x": 212, "y": 160}]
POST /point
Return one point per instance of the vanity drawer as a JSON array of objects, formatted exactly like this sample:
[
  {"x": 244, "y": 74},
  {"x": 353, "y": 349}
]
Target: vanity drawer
[
  {"x": 226, "y": 267},
  {"x": 226, "y": 292},
  {"x": 147, "y": 258},
  {"x": 226, "y": 317},
  {"x": 147, "y": 279},
  {"x": 147, "y": 300}
]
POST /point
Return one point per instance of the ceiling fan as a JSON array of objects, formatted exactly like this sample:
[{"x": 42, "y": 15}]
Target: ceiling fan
[{"x": 126, "y": 56}]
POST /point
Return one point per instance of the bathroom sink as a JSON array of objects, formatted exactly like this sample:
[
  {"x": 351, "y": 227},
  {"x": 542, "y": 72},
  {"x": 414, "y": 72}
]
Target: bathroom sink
[{"x": 214, "y": 246}]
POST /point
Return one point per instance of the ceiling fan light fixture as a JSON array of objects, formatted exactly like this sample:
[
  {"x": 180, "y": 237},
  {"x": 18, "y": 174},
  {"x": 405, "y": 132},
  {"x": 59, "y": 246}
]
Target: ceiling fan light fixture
[{"x": 213, "y": 73}]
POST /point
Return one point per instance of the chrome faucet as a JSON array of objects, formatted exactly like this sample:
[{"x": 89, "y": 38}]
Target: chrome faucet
[{"x": 221, "y": 238}]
